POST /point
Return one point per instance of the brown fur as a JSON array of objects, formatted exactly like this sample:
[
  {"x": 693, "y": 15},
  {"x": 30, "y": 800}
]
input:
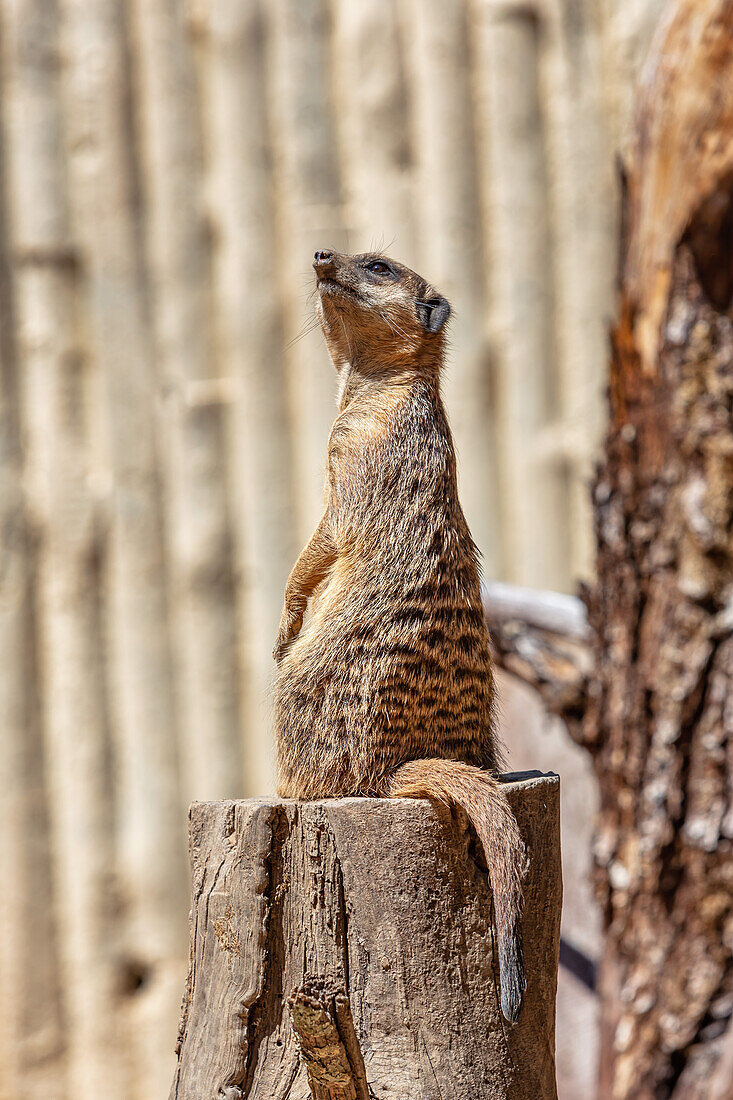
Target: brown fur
[{"x": 388, "y": 689}]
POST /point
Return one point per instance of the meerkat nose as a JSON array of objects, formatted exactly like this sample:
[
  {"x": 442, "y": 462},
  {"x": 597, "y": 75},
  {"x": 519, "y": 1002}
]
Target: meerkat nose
[{"x": 323, "y": 261}]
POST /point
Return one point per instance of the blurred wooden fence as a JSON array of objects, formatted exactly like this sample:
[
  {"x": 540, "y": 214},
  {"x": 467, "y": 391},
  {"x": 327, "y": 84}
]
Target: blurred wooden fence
[{"x": 167, "y": 168}]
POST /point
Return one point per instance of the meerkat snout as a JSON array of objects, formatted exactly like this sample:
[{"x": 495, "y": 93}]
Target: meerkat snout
[{"x": 322, "y": 260}]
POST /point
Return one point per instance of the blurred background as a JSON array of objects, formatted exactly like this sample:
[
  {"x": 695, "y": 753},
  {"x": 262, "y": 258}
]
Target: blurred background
[{"x": 167, "y": 169}]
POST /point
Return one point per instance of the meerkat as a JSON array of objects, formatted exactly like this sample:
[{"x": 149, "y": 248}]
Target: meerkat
[{"x": 388, "y": 689}]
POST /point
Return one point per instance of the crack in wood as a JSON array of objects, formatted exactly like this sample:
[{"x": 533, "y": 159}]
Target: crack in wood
[
  {"x": 267, "y": 1009},
  {"x": 324, "y": 1027},
  {"x": 342, "y": 917}
]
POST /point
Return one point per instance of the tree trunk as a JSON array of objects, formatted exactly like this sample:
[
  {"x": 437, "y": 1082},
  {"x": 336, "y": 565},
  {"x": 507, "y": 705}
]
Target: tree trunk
[
  {"x": 348, "y": 945},
  {"x": 659, "y": 722}
]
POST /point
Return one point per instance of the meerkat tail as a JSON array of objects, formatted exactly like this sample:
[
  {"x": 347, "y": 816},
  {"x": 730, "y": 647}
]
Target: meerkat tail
[{"x": 480, "y": 795}]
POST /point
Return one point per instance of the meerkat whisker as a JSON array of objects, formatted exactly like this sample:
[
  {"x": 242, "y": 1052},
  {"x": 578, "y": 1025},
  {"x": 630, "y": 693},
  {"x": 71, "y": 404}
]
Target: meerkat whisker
[{"x": 307, "y": 329}]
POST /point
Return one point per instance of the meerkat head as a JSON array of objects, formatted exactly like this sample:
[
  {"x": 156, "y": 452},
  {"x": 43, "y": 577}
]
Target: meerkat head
[{"x": 377, "y": 313}]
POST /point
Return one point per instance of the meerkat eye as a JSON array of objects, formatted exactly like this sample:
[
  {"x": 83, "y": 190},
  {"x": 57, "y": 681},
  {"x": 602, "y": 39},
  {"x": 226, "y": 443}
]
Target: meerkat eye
[{"x": 378, "y": 267}]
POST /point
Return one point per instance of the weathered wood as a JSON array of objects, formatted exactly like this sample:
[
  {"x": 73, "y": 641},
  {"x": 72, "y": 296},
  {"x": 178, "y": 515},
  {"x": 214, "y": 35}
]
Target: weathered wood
[
  {"x": 659, "y": 718},
  {"x": 324, "y": 1028},
  {"x": 372, "y": 917}
]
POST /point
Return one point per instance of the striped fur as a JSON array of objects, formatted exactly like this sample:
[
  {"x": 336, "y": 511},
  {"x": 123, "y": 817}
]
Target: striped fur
[{"x": 388, "y": 688}]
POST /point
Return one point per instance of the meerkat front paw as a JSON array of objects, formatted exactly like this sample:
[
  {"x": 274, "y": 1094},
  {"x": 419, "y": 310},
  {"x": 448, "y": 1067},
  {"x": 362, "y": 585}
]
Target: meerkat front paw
[
  {"x": 281, "y": 644},
  {"x": 290, "y": 624}
]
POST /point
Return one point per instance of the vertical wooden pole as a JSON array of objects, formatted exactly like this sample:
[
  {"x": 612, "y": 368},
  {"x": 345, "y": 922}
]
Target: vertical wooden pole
[
  {"x": 31, "y": 1047},
  {"x": 54, "y": 372},
  {"x": 581, "y": 198},
  {"x": 194, "y": 471},
  {"x": 451, "y": 248},
  {"x": 311, "y": 216},
  {"x": 250, "y": 327},
  {"x": 105, "y": 203},
  {"x": 520, "y": 273},
  {"x": 374, "y": 128}
]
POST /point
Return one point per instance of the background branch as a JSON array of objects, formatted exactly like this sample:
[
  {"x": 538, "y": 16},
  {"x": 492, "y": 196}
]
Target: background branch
[{"x": 544, "y": 639}]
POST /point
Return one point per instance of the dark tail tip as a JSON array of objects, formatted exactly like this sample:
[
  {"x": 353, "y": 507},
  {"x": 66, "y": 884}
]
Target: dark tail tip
[{"x": 512, "y": 977}]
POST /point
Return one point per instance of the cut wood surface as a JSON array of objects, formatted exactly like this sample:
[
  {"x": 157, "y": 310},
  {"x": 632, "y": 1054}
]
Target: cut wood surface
[{"x": 346, "y": 949}]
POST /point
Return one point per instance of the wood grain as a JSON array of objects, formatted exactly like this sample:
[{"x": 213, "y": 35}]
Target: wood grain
[{"x": 373, "y": 917}]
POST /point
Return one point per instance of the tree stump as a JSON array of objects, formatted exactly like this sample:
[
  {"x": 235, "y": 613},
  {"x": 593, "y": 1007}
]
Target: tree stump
[{"x": 346, "y": 949}]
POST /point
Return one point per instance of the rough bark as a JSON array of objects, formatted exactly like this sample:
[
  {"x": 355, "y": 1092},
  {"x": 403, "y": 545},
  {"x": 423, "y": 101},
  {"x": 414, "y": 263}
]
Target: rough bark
[
  {"x": 324, "y": 1029},
  {"x": 373, "y": 919},
  {"x": 659, "y": 719}
]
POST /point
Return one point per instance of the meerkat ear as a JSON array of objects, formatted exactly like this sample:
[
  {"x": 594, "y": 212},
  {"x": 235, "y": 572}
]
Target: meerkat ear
[{"x": 433, "y": 313}]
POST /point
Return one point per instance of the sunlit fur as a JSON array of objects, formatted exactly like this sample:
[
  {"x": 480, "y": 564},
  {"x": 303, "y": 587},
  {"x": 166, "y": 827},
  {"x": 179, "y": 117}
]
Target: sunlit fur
[{"x": 388, "y": 690}]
